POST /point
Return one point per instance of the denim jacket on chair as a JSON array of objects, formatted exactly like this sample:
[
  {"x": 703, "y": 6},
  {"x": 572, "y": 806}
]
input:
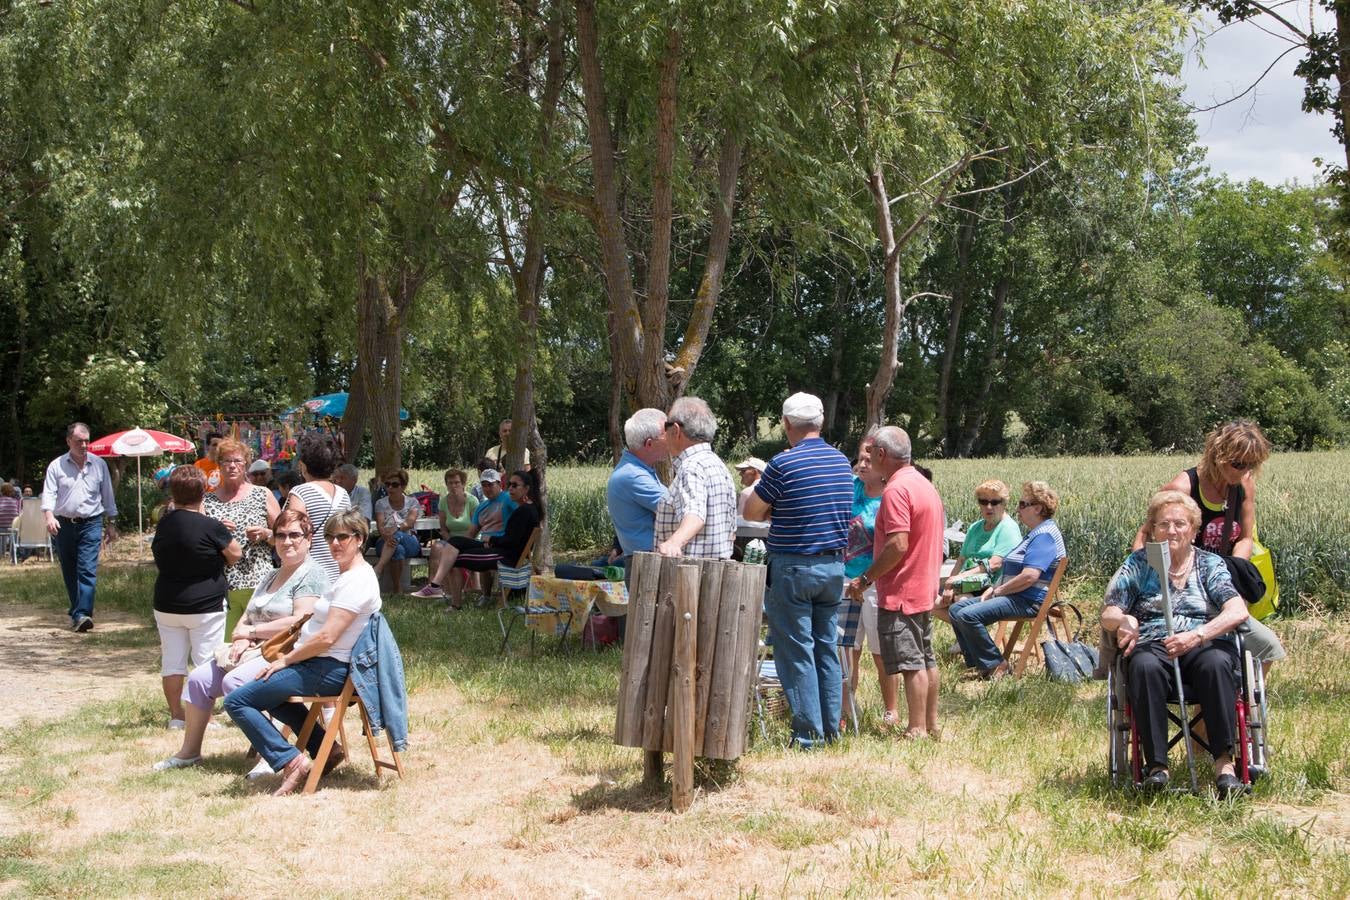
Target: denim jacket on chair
[{"x": 377, "y": 673}]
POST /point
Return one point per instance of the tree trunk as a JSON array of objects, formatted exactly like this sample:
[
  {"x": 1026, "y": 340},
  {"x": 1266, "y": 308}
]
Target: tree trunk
[
  {"x": 1343, "y": 75},
  {"x": 354, "y": 418},
  {"x": 879, "y": 388},
  {"x": 381, "y": 325},
  {"x": 965, "y": 239}
]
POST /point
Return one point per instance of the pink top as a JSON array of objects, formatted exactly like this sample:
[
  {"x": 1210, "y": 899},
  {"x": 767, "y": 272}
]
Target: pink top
[
  {"x": 910, "y": 503},
  {"x": 10, "y": 507}
]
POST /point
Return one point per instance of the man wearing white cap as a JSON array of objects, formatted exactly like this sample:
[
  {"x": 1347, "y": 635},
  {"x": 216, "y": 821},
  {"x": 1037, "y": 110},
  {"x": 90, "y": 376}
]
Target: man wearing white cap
[
  {"x": 750, "y": 469},
  {"x": 808, "y": 488}
]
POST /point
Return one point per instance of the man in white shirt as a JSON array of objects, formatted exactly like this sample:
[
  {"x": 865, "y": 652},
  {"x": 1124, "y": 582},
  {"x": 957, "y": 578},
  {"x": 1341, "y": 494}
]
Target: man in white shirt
[
  {"x": 345, "y": 477},
  {"x": 76, "y": 494}
]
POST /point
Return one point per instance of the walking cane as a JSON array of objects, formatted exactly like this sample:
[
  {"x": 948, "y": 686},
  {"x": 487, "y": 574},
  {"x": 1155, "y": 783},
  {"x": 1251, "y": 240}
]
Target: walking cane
[{"x": 1160, "y": 559}]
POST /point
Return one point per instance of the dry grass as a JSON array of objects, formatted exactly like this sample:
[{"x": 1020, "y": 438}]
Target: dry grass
[{"x": 514, "y": 788}]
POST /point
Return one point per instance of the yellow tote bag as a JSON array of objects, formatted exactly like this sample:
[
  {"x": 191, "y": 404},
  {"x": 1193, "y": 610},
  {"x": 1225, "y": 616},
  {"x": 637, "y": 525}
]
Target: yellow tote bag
[{"x": 1265, "y": 564}]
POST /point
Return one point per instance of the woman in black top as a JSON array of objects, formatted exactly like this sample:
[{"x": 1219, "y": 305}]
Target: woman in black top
[
  {"x": 191, "y": 551},
  {"x": 483, "y": 556}
]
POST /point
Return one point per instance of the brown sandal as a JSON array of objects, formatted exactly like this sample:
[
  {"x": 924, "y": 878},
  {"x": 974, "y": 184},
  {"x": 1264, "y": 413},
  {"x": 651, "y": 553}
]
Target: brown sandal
[{"x": 293, "y": 775}]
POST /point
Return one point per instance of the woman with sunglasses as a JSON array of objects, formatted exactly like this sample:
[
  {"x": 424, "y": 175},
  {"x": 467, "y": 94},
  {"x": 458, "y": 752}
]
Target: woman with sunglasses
[
  {"x": 1025, "y": 577},
  {"x": 280, "y": 599},
  {"x": 317, "y": 664},
  {"x": 987, "y": 542},
  {"x": 396, "y": 516},
  {"x": 483, "y": 556},
  {"x": 1233, "y": 455}
]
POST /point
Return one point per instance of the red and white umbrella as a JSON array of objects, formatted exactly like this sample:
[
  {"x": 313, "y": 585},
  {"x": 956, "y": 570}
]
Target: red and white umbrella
[{"x": 140, "y": 442}]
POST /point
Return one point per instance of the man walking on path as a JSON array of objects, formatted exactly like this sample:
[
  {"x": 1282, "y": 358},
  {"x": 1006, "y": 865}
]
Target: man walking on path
[
  {"x": 698, "y": 515},
  {"x": 808, "y": 490},
  {"x": 906, "y": 566},
  {"x": 76, "y": 495},
  {"x": 634, "y": 490}
]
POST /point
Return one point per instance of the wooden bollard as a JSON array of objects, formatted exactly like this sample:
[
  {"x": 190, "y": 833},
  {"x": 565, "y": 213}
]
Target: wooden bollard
[{"x": 683, "y": 662}]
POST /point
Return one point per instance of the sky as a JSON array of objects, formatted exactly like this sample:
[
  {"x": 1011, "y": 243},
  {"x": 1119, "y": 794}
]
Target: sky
[{"x": 1264, "y": 134}]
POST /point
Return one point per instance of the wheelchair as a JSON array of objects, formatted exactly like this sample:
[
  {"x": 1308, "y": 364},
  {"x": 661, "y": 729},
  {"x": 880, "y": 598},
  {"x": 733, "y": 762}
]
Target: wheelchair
[{"x": 1251, "y": 755}]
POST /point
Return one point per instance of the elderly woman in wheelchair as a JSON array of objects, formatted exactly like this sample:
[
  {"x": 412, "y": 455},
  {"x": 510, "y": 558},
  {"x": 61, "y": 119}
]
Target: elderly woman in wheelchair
[{"x": 1205, "y": 609}]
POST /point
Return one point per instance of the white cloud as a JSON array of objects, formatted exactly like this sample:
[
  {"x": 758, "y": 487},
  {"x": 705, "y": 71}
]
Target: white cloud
[{"x": 1264, "y": 134}]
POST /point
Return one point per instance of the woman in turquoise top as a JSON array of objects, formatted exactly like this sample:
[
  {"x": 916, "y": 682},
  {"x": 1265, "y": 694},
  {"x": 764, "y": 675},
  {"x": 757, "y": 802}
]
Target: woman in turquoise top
[
  {"x": 987, "y": 542},
  {"x": 457, "y": 508},
  {"x": 867, "y": 486}
]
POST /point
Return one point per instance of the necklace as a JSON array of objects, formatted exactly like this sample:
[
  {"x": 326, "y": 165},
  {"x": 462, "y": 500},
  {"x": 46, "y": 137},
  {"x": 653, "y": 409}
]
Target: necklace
[{"x": 1179, "y": 574}]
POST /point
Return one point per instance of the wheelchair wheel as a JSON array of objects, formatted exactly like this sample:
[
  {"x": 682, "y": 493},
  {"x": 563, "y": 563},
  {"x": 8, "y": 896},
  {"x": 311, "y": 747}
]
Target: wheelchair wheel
[
  {"x": 1119, "y": 732},
  {"x": 1254, "y": 699}
]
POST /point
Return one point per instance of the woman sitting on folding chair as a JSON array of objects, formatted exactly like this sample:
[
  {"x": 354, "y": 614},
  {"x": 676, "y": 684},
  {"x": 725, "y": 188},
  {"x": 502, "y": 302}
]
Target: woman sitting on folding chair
[
  {"x": 483, "y": 556},
  {"x": 317, "y": 665},
  {"x": 1205, "y": 609}
]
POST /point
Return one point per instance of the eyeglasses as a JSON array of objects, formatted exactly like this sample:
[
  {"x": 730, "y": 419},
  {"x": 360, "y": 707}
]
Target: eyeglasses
[
  {"x": 339, "y": 537},
  {"x": 1240, "y": 466},
  {"x": 397, "y": 484},
  {"x": 283, "y": 536},
  {"x": 229, "y": 462},
  {"x": 989, "y": 501},
  {"x": 1023, "y": 504}
]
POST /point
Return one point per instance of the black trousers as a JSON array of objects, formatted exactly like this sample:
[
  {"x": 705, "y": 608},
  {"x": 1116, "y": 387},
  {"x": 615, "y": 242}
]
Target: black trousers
[{"x": 1211, "y": 684}]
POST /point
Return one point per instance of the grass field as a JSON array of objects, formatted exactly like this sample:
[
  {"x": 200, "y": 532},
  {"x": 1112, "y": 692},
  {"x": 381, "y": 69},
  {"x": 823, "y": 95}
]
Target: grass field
[{"x": 515, "y": 788}]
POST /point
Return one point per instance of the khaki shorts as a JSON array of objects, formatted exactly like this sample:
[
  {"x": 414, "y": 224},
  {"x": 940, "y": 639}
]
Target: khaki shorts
[{"x": 906, "y": 641}]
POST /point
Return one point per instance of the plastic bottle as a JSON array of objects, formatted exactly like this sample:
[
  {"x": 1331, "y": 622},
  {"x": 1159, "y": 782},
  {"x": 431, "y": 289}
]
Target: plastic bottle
[{"x": 755, "y": 552}]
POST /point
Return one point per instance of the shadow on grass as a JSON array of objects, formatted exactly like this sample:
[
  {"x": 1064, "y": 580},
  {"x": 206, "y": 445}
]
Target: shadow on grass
[{"x": 637, "y": 796}]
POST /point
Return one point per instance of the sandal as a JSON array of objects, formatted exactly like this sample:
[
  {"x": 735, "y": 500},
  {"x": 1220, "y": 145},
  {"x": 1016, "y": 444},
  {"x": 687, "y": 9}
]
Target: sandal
[
  {"x": 293, "y": 775},
  {"x": 1156, "y": 779}
]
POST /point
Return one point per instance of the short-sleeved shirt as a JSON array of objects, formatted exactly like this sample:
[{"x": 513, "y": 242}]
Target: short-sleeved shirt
[
  {"x": 491, "y": 515},
  {"x": 460, "y": 524},
  {"x": 981, "y": 544},
  {"x": 633, "y": 493},
  {"x": 1041, "y": 549},
  {"x": 271, "y": 601},
  {"x": 356, "y": 590},
  {"x": 319, "y": 506},
  {"x": 256, "y": 562},
  {"x": 910, "y": 503},
  {"x": 861, "y": 531},
  {"x": 410, "y": 505},
  {"x": 210, "y": 471},
  {"x": 1135, "y": 588},
  {"x": 191, "y": 578},
  {"x": 810, "y": 487},
  {"x": 702, "y": 487}
]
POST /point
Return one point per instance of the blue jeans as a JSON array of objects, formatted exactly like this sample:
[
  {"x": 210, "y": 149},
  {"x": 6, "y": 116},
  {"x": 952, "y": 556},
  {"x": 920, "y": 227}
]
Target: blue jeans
[
  {"x": 802, "y": 608},
  {"x": 971, "y": 615},
  {"x": 406, "y": 545},
  {"x": 76, "y": 546},
  {"x": 317, "y": 676}
]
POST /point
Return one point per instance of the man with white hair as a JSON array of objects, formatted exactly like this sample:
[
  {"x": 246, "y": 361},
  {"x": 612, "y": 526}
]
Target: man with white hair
[
  {"x": 345, "y": 476},
  {"x": 808, "y": 488},
  {"x": 906, "y": 566},
  {"x": 634, "y": 489},
  {"x": 698, "y": 515}
]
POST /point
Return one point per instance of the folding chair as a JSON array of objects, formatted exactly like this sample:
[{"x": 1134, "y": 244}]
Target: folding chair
[
  {"x": 30, "y": 531},
  {"x": 1045, "y": 617},
  {"x": 514, "y": 584},
  {"x": 336, "y": 729}
]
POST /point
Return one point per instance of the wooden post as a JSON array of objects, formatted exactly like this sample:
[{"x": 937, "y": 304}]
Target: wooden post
[{"x": 682, "y": 677}]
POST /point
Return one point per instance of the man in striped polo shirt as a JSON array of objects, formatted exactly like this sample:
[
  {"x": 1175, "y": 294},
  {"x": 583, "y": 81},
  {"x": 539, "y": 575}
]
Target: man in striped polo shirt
[{"x": 808, "y": 489}]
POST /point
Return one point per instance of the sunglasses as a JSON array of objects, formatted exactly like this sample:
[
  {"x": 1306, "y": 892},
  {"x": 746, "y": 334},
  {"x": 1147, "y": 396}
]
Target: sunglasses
[
  {"x": 1023, "y": 504},
  {"x": 283, "y": 536},
  {"x": 989, "y": 501},
  {"x": 339, "y": 537},
  {"x": 1240, "y": 466},
  {"x": 397, "y": 484}
]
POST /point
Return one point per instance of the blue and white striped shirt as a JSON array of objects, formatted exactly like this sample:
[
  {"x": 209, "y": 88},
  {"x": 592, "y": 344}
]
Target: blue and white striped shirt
[{"x": 810, "y": 487}]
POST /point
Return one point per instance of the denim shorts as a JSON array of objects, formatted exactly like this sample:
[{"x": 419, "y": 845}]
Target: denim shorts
[{"x": 906, "y": 641}]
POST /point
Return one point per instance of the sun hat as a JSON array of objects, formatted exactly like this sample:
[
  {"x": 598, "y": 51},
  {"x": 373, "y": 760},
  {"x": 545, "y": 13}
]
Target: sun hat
[{"x": 752, "y": 462}]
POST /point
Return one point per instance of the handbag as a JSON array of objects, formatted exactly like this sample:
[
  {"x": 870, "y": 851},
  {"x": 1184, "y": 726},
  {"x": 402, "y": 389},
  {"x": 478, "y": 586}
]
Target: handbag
[
  {"x": 279, "y": 645},
  {"x": 1069, "y": 661},
  {"x": 1254, "y": 579},
  {"x": 223, "y": 657}
]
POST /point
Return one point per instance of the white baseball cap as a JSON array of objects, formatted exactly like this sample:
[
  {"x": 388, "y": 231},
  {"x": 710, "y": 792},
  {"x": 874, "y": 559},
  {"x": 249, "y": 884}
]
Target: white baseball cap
[
  {"x": 801, "y": 406},
  {"x": 489, "y": 475},
  {"x": 752, "y": 462}
]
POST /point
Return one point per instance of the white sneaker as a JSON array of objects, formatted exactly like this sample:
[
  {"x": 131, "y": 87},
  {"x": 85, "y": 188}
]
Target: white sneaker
[
  {"x": 261, "y": 769},
  {"x": 177, "y": 724},
  {"x": 174, "y": 762}
]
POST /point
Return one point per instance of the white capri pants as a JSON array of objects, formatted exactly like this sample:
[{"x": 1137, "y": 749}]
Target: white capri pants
[{"x": 198, "y": 634}]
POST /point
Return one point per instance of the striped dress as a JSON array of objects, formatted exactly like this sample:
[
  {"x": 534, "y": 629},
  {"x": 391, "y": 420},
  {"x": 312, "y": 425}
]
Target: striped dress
[{"x": 319, "y": 506}]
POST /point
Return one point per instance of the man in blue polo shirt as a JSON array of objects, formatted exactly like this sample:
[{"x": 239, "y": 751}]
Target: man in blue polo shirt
[
  {"x": 634, "y": 489},
  {"x": 808, "y": 489}
]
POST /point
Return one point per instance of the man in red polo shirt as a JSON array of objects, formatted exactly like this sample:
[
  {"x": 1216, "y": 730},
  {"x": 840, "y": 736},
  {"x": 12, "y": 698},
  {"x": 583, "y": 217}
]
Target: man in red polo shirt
[{"x": 906, "y": 566}]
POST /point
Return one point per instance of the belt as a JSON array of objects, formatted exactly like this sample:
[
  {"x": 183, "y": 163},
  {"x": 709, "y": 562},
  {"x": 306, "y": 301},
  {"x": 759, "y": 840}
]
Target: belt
[
  {"x": 78, "y": 520},
  {"x": 828, "y": 554}
]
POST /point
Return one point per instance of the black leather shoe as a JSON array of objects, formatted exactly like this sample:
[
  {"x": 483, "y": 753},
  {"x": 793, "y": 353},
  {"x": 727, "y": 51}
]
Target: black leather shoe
[
  {"x": 1156, "y": 780},
  {"x": 1229, "y": 785}
]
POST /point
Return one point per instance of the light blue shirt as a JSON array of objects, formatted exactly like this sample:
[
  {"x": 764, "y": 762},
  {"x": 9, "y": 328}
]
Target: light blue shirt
[
  {"x": 78, "y": 492},
  {"x": 633, "y": 492}
]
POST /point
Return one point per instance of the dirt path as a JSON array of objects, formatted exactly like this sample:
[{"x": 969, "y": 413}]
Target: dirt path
[{"x": 46, "y": 670}]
